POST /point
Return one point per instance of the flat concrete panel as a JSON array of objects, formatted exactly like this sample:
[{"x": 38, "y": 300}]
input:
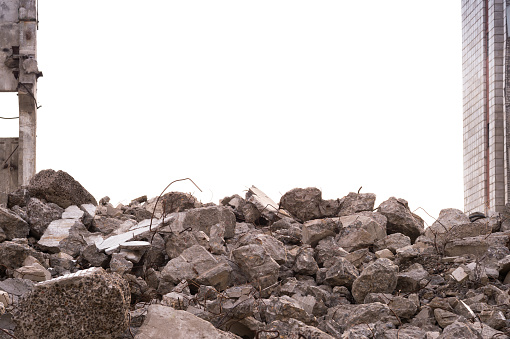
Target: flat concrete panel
[
  {"x": 9, "y": 10},
  {"x": 9, "y": 156},
  {"x": 9, "y": 36}
]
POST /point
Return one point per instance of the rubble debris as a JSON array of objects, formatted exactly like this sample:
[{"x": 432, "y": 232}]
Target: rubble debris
[{"x": 247, "y": 267}]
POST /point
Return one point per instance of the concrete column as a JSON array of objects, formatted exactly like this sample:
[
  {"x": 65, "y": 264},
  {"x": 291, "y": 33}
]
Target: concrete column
[{"x": 27, "y": 89}]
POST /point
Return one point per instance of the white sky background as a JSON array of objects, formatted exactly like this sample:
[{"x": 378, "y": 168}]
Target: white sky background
[{"x": 276, "y": 94}]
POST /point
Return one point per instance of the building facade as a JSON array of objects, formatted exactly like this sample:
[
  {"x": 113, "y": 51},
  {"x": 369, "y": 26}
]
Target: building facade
[{"x": 486, "y": 107}]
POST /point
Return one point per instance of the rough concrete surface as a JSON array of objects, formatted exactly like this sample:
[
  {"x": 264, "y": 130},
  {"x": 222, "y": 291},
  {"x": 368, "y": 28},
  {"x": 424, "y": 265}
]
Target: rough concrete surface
[{"x": 336, "y": 268}]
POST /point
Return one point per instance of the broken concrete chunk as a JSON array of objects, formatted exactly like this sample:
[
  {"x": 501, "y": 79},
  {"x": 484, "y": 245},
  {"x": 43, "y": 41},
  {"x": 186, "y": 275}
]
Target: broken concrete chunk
[
  {"x": 386, "y": 253},
  {"x": 401, "y": 219},
  {"x": 40, "y": 215},
  {"x": 105, "y": 225},
  {"x": 358, "y": 232},
  {"x": 347, "y": 316},
  {"x": 13, "y": 254},
  {"x": 93, "y": 256},
  {"x": 341, "y": 273},
  {"x": 257, "y": 264},
  {"x": 217, "y": 239},
  {"x": 378, "y": 277},
  {"x": 87, "y": 304},
  {"x": 393, "y": 242},
  {"x": 459, "y": 274},
  {"x": 409, "y": 279},
  {"x": 266, "y": 206},
  {"x": 34, "y": 272},
  {"x": 198, "y": 264},
  {"x": 274, "y": 248},
  {"x": 327, "y": 251},
  {"x": 356, "y": 202},
  {"x": 119, "y": 264},
  {"x": 59, "y": 188},
  {"x": 285, "y": 308},
  {"x": 162, "y": 321},
  {"x": 314, "y": 231},
  {"x": 72, "y": 212},
  {"x": 57, "y": 231},
  {"x": 288, "y": 328},
  {"x": 12, "y": 225},
  {"x": 305, "y": 263},
  {"x": 445, "y": 318},
  {"x": 303, "y": 203},
  {"x": 5, "y": 298},
  {"x": 459, "y": 329},
  {"x": 202, "y": 219}
]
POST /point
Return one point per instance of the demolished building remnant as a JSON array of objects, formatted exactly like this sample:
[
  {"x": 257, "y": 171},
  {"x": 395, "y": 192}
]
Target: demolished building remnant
[
  {"x": 247, "y": 268},
  {"x": 19, "y": 73}
]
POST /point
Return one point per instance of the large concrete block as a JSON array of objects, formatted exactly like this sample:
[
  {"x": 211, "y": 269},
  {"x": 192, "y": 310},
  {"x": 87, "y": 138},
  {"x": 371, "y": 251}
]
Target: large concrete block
[
  {"x": 59, "y": 188},
  {"x": 87, "y": 304}
]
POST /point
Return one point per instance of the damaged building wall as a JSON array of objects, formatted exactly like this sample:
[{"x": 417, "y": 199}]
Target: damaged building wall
[{"x": 19, "y": 73}]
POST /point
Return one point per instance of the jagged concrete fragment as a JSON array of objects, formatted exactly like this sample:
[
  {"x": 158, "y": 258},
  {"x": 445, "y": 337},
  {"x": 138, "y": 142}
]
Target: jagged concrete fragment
[
  {"x": 393, "y": 242},
  {"x": 202, "y": 219},
  {"x": 327, "y": 251},
  {"x": 13, "y": 254},
  {"x": 257, "y": 264},
  {"x": 305, "y": 263},
  {"x": 341, "y": 273},
  {"x": 358, "y": 232},
  {"x": 303, "y": 203},
  {"x": 40, "y": 215},
  {"x": 57, "y": 231},
  {"x": 32, "y": 270},
  {"x": 445, "y": 318},
  {"x": 73, "y": 212},
  {"x": 289, "y": 327},
  {"x": 119, "y": 264},
  {"x": 356, "y": 202},
  {"x": 285, "y": 308},
  {"x": 385, "y": 253},
  {"x": 274, "y": 248},
  {"x": 5, "y": 298},
  {"x": 12, "y": 225},
  {"x": 93, "y": 257},
  {"x": 16, "y": 287},
  {"x": 87, "y": 304},
  {"x": 409, "y": 279},
  {"x": 106, "y": 225},
  {"x": 347, "y": 316},
  {"x": 459, "y": 274},
  {"x": 401, "y": 219},
  {"x": 198, "y": 264},
  {"x": 164, "y": 322},
  {"x": 460, "y": 329},
  {"x": 266, "y": 206},
  {"x": 59, "y": 188},
  {"x": 378, "y": 277},
  {"x": 314, "y": 231},
  {"x": 474, "y": 245}
]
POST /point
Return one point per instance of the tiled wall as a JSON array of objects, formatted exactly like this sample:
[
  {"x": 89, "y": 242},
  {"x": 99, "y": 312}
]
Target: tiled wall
[{"x": 475, "y": 128}]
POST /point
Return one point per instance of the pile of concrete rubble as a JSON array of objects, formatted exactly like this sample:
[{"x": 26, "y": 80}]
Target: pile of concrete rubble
[{"x": 247, "y": 268}]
